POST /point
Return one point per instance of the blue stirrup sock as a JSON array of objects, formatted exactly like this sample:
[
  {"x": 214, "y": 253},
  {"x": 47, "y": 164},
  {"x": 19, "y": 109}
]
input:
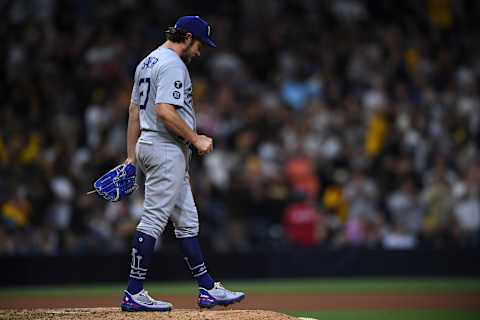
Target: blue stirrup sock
[
  {"x": 142, "y": 253},
  {"x": 194, "y": 258}
]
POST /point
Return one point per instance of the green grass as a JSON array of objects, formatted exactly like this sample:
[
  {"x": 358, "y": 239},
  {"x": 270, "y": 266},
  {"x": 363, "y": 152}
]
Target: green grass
[
  {"x": 390, "y": 315},
  {"x": 301, "y": 286}
]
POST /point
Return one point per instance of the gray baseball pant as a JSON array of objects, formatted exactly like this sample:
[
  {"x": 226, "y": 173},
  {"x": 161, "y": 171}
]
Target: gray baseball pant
[{"x": 168, "y": 194}]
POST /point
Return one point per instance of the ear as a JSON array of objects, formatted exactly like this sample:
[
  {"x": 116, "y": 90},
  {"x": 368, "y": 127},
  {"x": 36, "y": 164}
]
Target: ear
[{"x": 188, "y": 35}]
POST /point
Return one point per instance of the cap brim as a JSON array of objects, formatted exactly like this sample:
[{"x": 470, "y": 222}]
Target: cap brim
[{"x": 209, "y": 42}]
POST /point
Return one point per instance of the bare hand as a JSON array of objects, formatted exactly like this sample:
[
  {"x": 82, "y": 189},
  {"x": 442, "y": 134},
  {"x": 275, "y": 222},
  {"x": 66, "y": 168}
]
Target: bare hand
[
  {"x": 203, "y": 144},
  {"x": 129, "y": 160}
]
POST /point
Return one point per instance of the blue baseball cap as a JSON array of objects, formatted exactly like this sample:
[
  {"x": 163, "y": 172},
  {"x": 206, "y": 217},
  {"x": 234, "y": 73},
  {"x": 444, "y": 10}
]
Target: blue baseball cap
[{"x": 199, "y": 28}]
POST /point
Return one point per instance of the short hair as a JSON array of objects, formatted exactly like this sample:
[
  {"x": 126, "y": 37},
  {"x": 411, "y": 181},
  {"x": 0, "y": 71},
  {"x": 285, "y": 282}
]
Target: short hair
[{"x": 175, "y": 34}]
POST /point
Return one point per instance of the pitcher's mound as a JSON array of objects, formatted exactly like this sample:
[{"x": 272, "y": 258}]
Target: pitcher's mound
[{"x": 116, "y": 314}]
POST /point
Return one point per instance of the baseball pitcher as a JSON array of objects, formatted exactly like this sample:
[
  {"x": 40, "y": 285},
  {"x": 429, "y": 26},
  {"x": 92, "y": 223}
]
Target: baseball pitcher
[{"x": 161, "y": 129}]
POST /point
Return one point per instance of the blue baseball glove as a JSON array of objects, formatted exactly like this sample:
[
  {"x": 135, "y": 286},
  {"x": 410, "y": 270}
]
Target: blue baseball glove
[{"x": 117, "y": 183}]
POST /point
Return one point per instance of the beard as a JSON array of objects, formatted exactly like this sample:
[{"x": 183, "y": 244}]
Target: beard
[
  {"x": 186, "y": 59},
  {"x": 187, "y": 54}
]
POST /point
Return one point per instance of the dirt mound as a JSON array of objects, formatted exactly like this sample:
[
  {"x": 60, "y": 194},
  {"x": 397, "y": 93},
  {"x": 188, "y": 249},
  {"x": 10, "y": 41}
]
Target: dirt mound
[{"x": 116, "y": 314}]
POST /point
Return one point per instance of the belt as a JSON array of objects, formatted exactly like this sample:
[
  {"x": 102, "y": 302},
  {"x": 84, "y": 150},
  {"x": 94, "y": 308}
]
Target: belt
[{"x": 175, "y": 137}]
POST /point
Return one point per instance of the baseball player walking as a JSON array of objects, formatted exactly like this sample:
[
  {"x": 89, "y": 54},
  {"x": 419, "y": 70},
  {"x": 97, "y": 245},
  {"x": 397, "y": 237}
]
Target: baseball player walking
[{"x": 161, "y": 126}]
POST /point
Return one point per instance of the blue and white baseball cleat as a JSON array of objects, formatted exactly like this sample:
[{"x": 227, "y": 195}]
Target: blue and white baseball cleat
[
  {"x": 218, "y": 296},
  {"x": 143, "y": 302}
]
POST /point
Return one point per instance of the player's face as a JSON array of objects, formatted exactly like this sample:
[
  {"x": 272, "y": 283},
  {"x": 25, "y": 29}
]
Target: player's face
[{"x": 192, "y": 50}]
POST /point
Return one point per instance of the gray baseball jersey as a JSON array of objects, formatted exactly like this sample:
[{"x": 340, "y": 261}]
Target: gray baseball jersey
[{"x": 162, "y": 77}]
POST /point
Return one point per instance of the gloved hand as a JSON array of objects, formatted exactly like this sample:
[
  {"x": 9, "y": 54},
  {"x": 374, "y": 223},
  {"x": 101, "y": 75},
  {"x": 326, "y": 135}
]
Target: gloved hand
[{"x": 117, "y": 183}]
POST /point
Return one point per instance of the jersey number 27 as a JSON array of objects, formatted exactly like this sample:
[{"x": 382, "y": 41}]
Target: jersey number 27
[{"x": 144, "y": 88}]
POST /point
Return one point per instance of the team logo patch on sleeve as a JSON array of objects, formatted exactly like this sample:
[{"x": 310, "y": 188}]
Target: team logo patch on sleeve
[
  {"x": 177, "y": 84},
  {"x": 176, "y": 94}
]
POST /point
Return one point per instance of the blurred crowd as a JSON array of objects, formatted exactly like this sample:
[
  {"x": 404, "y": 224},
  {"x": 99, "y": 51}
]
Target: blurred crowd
[{"x": 335, "y": 123}]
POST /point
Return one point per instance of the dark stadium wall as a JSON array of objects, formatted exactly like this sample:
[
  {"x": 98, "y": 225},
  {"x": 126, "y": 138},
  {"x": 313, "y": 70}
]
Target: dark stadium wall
[{"x": 22, "y": 271}]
